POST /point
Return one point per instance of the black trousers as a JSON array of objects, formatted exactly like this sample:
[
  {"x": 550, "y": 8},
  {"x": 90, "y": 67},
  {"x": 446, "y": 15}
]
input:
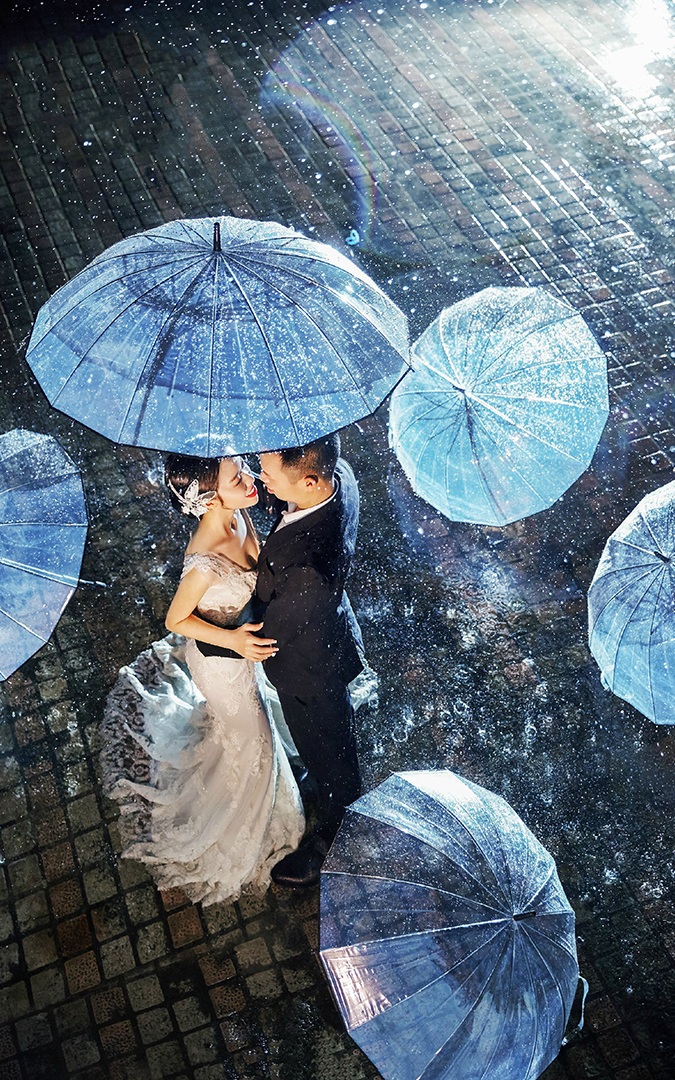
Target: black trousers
[{"x": 322, "y": 726}]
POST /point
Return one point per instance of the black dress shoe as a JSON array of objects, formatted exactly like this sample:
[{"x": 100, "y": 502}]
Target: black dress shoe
[{"x": 301, "y": 869}]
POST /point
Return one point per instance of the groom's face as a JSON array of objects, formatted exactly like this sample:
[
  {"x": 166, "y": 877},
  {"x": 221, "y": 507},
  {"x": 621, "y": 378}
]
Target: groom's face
[{"x": 286, "y": 484}]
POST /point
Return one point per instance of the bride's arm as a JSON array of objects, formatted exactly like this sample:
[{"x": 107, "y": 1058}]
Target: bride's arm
[{"x": 181, "y": 619}]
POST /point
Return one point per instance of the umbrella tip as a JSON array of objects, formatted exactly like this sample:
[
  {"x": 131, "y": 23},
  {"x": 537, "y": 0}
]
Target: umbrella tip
[{"x": 216, "y": 237}]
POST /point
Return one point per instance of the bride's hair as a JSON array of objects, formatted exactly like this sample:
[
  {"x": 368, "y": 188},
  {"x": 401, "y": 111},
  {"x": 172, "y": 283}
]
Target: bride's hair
[{"x": 180, "y": 471}]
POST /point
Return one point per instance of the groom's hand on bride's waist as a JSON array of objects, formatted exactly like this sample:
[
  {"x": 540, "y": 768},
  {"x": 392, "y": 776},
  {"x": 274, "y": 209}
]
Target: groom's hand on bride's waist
[{"x": 246, "y": 644}]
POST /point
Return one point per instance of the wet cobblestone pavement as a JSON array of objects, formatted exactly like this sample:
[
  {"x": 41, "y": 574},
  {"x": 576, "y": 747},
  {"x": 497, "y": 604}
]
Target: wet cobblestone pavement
[{"x": 467, "y": 144}]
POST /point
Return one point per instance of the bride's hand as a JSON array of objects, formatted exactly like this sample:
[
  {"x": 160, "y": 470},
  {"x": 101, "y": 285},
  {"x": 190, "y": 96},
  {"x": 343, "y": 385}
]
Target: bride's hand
[{"x": 244, "y": 641}]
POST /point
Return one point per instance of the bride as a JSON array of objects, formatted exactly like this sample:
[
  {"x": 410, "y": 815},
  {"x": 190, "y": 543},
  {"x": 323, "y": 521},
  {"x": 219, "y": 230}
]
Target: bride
[{"x": 207, "y": 796}]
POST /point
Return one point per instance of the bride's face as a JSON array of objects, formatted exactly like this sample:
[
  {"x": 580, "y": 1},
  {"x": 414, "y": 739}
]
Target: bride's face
[{"x": 236, "y": 488}]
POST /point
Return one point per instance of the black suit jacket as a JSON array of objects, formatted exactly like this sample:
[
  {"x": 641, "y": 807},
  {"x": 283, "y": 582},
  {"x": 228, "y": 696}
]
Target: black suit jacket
[{"x": 301, "y": 575}]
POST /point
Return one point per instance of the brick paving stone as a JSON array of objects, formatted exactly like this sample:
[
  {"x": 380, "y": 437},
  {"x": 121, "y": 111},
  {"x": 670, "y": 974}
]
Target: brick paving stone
[
  {"x": 142, "y": 904},
  {"x": 185, "y": 926},
  {"x": 252, "y": 955},
  {"x": 39, "y": 949},
  {"x": 74, "y": 936},
  {"x": 33, "y": 1031},
  {"x": 80, "y": 1051},
  {"x": 65, "y": 898},
  {"x": 203, "y": 1046},
  {"x": 235, "y": 1033},
  {"x": 117, "y": 956},
  {"x": 82, "y": 972},
  {"x": 99, "y": 883},
  {"x": 47, "y": 988},
  {"x": 154, "y": 1025},
  {"x": 25, "y": 875},
  {"x": 227, "y": 999},
  {"x": 266, "y": 984},
  {"x": 189, "y": 1014},
  {"x": 58, "y": 861},
  {"x": 108, "y": 919},
  {"x": 164, "y": 1059},
  {"x": 7, "y": 1044},
  {"x": 144, "y": 992},
  {"x": 118, "y": 1038},
  {"x": 215, "y": 970},
  {"x": 108, "y": 1005},
  {"x": 151, "y": 942}
]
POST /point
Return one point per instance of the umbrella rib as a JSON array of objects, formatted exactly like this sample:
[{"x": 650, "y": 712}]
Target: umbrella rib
[
  {"x": 519, "y": 427},
  {"x": 107, "y": 327},
  {"x": 552, "y": 974},
  {"x": 627, "y": 623},
  {"x": 558, "y": 320},
  {"x": 212, "y": 354},
  {"x": 28, "y": 482},
  {"x": 493, "y": 328},
  {"x": 633, "y": 566},
  {"x": 535, "y": 1016},
  {"x": 160, "y": 241},
  {"x": 540, "y": 400},
  {"x": 497, "y": 1037},
  {"x": 154, "y": 363},
  {"x": 436, "y": 431},
  {"x": 638, "y": 547},
  {"x": 650, "y": 570},
  {"x": 402, "y": 881},
  {"x": 413, "y": 934},
  {"x": 314, "y": 323},
  {"x": 472, "y": 1009},
  {"x": 533, "y": 929},
  {"x": 651, "y": 532},
  {"x": 269, "y": 349},
  {"x": 472, "y": 422},
  {"x": 450, "y": 351},
  {"x": 292, "y": 272},
  {"x": 45, "y": 574},
  {"x": 649, "y": 650},
  {"x": 105, "y": 285},
  {"x": 559, "y": 362},
  {"x": 416, "y": 419},
  {"x": 22, "y": 625},
  {"x": 56, "y": 524},
  {"x": 449, "y": 836},
  {"x": 533, "y": 899},
  {"x": 445, "y": 973},
  {"x": 421, "y": 885}
]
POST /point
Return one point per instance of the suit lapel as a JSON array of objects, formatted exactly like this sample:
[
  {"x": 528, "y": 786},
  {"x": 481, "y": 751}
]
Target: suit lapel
[{"x": 278, "y": 538}]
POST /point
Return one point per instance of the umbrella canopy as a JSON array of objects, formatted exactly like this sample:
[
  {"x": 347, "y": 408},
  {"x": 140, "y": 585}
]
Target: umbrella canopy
[
  {"x": 631, "y": 608},
  {"x": 505, "y": 406},
  {"x": 213, "y": 335},
  {"x": 445, "y": 933},
  {"x": 43, "y": 526}
]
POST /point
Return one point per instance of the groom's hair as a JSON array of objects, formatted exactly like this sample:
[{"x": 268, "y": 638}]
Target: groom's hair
[{"x": 317, "y": 458}]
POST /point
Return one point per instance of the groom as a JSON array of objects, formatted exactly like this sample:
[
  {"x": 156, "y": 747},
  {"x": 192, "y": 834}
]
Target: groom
[{"x": 301, "y": 574}]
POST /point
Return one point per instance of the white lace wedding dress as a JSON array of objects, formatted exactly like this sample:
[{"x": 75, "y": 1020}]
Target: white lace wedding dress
[{"x": 207, "y": 796}]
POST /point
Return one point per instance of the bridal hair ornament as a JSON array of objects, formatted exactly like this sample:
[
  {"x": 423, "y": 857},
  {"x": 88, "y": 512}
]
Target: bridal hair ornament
[{"x": 193, "y": 502}]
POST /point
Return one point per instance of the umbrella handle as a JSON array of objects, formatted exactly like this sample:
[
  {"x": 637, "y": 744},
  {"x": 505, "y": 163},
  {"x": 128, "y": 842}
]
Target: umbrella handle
[{"x": 569, "y": 1035}]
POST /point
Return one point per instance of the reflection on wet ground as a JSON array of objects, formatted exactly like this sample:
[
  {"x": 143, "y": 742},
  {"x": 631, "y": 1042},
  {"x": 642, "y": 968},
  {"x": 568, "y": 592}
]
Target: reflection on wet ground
[{"x": 447, "y": 146}]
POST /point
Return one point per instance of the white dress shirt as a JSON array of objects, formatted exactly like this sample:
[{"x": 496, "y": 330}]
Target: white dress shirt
[{"x": 293, "y": 514}]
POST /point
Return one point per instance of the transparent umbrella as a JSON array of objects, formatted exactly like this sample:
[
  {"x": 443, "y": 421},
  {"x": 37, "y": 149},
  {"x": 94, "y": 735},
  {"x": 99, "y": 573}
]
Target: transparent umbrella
[
  {"x": 204, "y": 336},
  {"x": 445, "y": 933},
  {"x": 505, "y": 406},
  {"x": 631, "y": 608},
  {"x": 43, "y": 526}
]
